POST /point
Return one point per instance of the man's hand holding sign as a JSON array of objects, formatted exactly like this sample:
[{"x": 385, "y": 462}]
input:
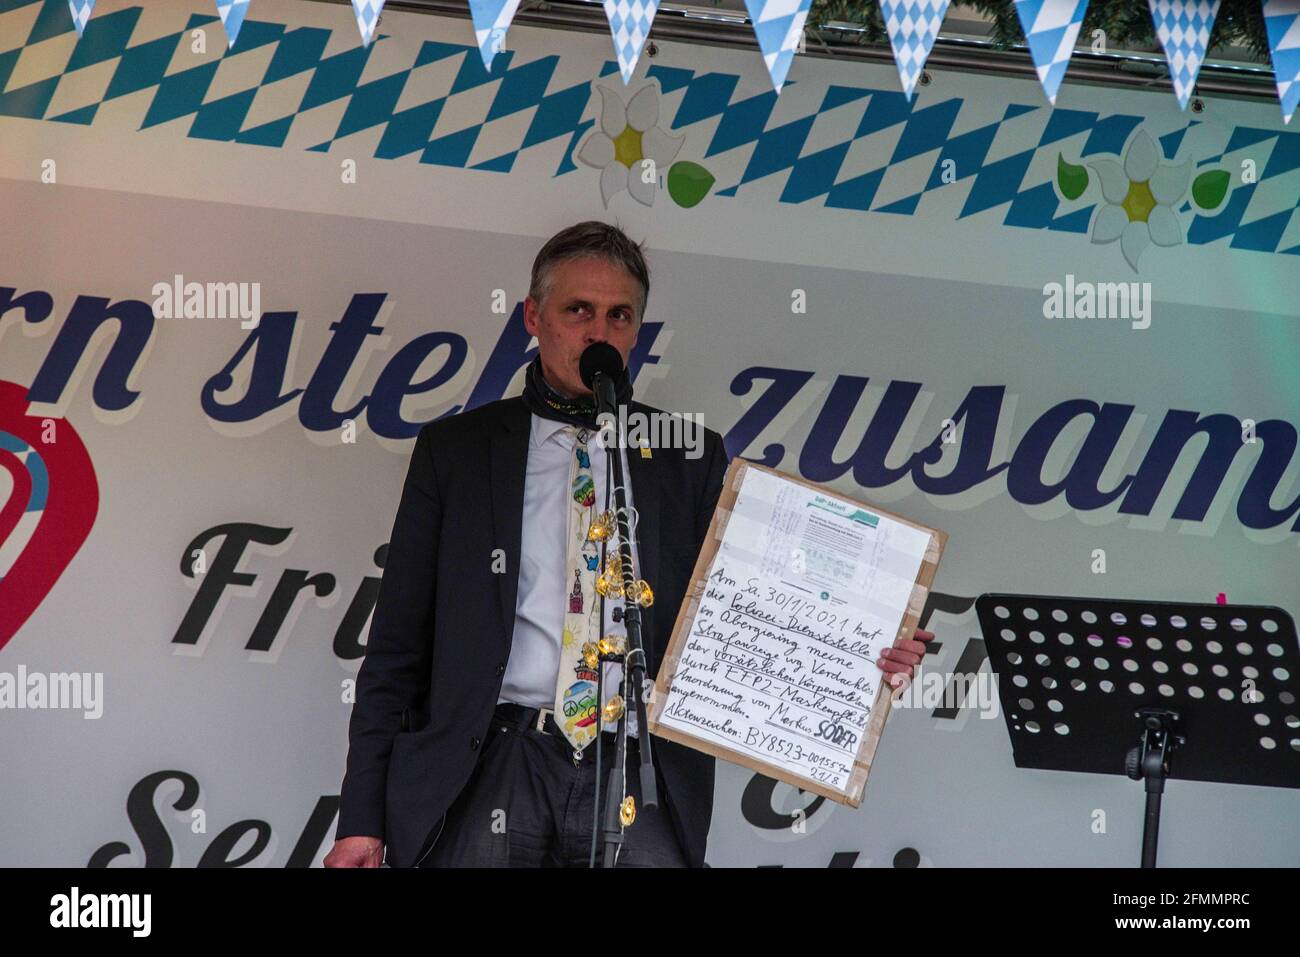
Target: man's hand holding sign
[{"x": 901, "y": 661}]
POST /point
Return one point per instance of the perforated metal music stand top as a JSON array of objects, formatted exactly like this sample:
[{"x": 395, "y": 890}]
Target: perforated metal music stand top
[{"x": 1073, "y": 672}]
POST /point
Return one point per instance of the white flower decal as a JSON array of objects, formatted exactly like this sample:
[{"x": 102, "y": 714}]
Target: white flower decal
[
  {"x": 627, "y": 138},
  {"x": 1140, "y": 199}
]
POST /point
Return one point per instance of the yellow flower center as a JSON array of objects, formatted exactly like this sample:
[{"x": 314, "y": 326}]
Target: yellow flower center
[
  {"x": 627, "y": 147},
  {"x": 1139, "y": 202}
]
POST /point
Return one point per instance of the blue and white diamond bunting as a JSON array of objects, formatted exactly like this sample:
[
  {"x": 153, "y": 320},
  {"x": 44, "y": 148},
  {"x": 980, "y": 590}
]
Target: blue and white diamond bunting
[
  {"x": 778, "y": 26},
  {"x": 491, "y": 21},
  {"x": 629, "y": 25},
  {"x": 912, "y": 27},
  {"x": 232, "y": 18},
  {"x": 1183, "y": 27},
  {"x": 1051, "y": 28},
  {"x": 367, "y": 12},
  {"x": 81, "y": 10},
  {"x": 1282, "y": 22}
]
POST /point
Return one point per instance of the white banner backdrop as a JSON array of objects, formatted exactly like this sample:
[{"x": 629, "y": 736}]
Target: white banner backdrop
[{"x": 840, "y": 280}]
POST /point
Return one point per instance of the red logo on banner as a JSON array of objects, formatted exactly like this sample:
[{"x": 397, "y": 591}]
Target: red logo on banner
[{"x": 50, "y": 508}]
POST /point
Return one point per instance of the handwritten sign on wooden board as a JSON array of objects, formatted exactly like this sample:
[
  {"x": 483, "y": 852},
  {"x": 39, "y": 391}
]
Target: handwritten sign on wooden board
[{"x": 795, "y": 593}]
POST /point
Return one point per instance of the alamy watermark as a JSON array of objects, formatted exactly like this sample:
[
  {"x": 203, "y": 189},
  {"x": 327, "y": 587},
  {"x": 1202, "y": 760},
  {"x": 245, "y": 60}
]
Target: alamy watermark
[
  {"x": 1098, "y": 300},
  {"x": 940, "y": 689},
  {"x": 657, "y": 430},
  {"x": 208, "y": 300},
  {"x": 130, "y": 911},
  {"x": 58, "y": 690}
]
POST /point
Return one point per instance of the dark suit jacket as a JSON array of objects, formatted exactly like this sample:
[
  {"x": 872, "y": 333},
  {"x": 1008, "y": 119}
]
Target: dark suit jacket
[{"x": 443, "y": 625}]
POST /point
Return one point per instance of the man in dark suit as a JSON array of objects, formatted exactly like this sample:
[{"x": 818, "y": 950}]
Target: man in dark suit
[{"x": 456, "y": 753}]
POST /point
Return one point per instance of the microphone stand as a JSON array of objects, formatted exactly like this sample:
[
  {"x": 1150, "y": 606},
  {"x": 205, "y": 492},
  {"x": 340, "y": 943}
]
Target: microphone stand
[{"x": 634, "y": 658}]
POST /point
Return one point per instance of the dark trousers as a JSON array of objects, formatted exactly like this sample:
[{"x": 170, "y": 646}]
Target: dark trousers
[{"x": 527, "y": 804}]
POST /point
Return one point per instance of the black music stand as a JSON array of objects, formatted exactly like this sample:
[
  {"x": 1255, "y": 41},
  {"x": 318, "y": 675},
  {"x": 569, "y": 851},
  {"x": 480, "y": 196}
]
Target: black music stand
[{"x": 1082, "y": 679}]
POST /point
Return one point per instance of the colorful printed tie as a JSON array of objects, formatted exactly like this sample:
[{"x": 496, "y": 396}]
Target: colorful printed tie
[{"x": 575, "y": 683}]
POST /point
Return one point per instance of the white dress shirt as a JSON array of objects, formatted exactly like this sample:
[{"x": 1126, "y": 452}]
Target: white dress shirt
[{"x": 543, "y": 587}]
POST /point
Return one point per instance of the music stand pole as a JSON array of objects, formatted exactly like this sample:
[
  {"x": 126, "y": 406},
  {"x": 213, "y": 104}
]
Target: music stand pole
[{"x": 1149, "y": 760}]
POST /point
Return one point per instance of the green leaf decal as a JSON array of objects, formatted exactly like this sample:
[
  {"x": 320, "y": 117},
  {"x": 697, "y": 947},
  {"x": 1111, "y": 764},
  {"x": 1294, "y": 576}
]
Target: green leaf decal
[
  {"x": 1209, "y": 188},
  {"x": 1072, "y": 180},
  {"x": 688, "y": 183}
]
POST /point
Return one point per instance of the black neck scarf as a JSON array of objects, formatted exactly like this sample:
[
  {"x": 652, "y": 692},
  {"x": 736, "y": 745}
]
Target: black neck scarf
[{"x": 549, "y": 404}]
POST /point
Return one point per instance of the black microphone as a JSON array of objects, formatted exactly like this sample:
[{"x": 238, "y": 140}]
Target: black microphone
[{"x": 600, "y": 365}]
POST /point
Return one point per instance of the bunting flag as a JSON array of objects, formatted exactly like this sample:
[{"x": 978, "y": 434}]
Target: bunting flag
[
  {"x": 81, "y": 10},
  {"x": 367, "y": 12},
  {"x": 491, "y": 21},
  {"x": 1183, "y": 27},
  {"x": 232, "y": 18},
  {"x": 1051, "y": 28},
  {"x": 913, "y": 26},
  {"x": 1282, "y": 21},
  {"x": 629, "y": 25},
  {"x": 778, "y": 27}
]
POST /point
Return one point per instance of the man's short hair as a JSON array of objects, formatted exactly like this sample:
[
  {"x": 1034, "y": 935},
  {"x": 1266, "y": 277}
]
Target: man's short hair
[{"x": 596, "y": 239}]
